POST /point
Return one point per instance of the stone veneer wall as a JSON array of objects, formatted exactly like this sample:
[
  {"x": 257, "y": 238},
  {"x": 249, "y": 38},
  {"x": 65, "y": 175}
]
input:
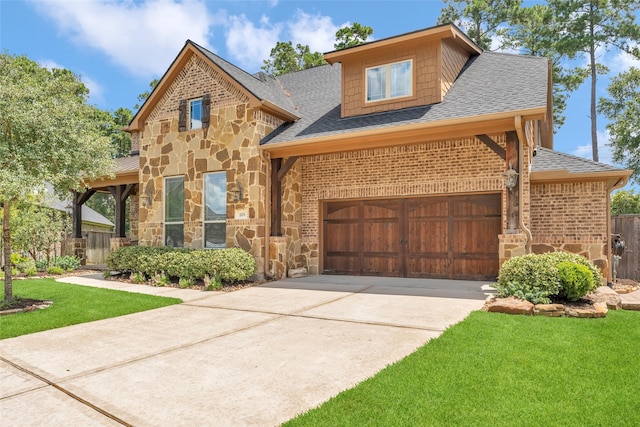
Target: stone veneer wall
[
  {"x": 571, "y": 217},
  {"x": 292, "y": 215},
  {"x": 230, "y": 144},
  {"x": 446, "y": 167}
]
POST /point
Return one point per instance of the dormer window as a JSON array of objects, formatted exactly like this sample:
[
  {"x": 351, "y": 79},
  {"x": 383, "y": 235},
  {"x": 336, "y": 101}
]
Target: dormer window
[{"x": 389, "y": 81}]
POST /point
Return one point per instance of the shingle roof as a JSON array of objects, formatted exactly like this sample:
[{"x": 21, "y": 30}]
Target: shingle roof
[
  {"x": 489, "y": 83},
  {"x": 263, "y": 86},
  {"x": 550, "y": 160},
  {"x": 127, "y": 164}
]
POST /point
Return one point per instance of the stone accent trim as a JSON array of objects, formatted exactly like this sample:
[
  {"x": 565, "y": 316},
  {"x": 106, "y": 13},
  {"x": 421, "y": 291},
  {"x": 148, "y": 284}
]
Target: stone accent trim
[
  {"x": 119, "y": 242},
  {"x": 78, "y": 247},
  {"x": 511, "y": 245}
]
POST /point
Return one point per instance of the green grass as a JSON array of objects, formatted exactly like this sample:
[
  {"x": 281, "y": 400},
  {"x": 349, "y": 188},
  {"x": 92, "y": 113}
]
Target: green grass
[
  {"x": 500, "y": 370},
  {"x": 72, "y": 304}
]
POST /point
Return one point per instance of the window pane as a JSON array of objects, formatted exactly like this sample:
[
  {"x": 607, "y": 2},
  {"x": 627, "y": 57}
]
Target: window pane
[
  {"x": 215, "y": 235},
  {"x": 401, "y": 79},
  {"x": 174, "y": 235},
  {"x": 376, "y": 83},
  {"x": 174, "y": 199},
  {"x": 215, "y": 196},
  {"x": 195, "y": 113}
]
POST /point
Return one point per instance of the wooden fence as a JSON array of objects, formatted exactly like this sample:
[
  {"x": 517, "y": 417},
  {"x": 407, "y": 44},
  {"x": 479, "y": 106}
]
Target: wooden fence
[
  {"x": 628, "y": 226},
  {"x": 98, "y": 247}
]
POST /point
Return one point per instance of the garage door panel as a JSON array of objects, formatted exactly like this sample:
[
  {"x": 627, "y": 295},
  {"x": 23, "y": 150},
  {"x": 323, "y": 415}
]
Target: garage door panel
[
  {"x": 432, "y": 267},
  {"x": 381, "y": 236},
  {"x": 342, "y": 237},
  {"x": 429, "y": 235},
  {"x": 428, "y": 208},
  {"x": 380, "y": 264},
  {"x": 342, "y": 263},
  {"x": 381, "y": 209},
  {"x": 341, "y": 210}
]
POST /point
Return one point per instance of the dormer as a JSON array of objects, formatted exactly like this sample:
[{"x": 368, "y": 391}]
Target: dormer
[{"x": 409, "y": 70}]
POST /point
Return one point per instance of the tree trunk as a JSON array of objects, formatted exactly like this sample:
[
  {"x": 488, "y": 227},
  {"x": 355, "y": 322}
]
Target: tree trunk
[
  {"x": 594, "y": 116},
  {"x": 6, "y": 240}
]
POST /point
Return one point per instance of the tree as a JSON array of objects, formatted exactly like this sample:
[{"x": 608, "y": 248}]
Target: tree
[
  {"x": 625, "y": 202},
  {"x": 622, "y": 107},
  {"x": 480, "y": 19},
  {"x": 37, "y": 229},
  {"x": 592, "y": 25},
  {"x": 285, "y": 58},
  {"x": 49, "y": 134},
  {"x": 144, "y": 95},
  {"x": 533, "y": 31},
  {"x": 352, "y": 36}
]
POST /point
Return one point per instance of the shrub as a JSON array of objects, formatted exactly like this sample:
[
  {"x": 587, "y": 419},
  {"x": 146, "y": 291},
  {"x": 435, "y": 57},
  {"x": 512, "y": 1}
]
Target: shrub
[
  {"x": 68, "y": 263},
  {"x": 186, "y": 282},
  {"x": 25, "y": 264},
  {"x": 138, "y": 277},
  {"x": 17, "y": 259},
  {"x": 226, "y": 265},
  {"x": 55, "y": 270},
  {"x": 42, "y": 265},
  {"x": 536, "y": 278},
  {"x": 160, "y": 279},
  {"x": 576, "y": 280},
  {"x": 31, "y": 271}
]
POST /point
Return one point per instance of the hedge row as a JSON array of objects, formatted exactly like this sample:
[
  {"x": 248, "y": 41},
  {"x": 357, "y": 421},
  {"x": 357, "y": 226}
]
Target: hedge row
[
  {"x": 227, "y": 265},
  {"x": 541, "y": 278}
]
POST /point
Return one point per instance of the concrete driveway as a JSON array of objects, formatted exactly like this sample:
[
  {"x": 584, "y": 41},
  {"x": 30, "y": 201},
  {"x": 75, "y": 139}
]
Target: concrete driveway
[{"x": 254, "y": 357}]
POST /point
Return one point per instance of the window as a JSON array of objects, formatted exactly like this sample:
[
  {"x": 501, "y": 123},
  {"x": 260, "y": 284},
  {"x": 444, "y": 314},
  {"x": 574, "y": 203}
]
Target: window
[
  {"x": 389, "y": 81},
  {"x": 195, "y": 114},
  {"x": 215, "y": 210},
  {"x": 174, "y": 211}
]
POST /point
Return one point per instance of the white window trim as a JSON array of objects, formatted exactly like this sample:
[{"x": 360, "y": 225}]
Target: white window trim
[
  {"x": 164, "y": 211},
  {"x": 212, "y": 221},
  {"x": 388, "y": 82},
  {"x": 201, "y": 113}
]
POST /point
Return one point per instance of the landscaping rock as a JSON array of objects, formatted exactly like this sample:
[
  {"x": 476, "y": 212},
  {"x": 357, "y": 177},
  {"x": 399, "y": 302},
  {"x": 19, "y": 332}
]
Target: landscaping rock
[
  {"x": 606, "y": 295},
  {"x": 586, "y": 311},
  {"x": 298, "y": 272},
  {"x": 548, "y": 310},
  {"x": 631, "y": 301},
  {"x": 510, "y": 305}
]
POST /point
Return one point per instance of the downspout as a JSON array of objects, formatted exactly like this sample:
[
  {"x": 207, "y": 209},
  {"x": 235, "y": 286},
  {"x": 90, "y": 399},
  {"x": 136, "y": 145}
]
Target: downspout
[
  {"x": 619, "y": 184},
  {"x": 267, "y": 213},
  {"x": 523, "y": 227}
]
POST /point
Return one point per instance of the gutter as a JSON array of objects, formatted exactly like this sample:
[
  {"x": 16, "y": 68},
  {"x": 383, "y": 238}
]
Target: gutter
[{"x": 523, "y": 227}]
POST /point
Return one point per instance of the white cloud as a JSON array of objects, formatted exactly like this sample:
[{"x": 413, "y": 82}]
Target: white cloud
[
  {"x": 317, "y": 31},
  {"x": 142, "y": 37},
  {"x": 622, "y": 61},
  {"x": 604, "y": 150},
  {"x": 249, "y": 44}
]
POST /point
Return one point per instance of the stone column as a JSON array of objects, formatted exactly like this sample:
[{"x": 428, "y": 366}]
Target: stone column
[
  {"x": 511, "y": 245},
  {"x": 78, "y": 247},
  {"x": 134, "y": 209},
  {"x": 119, "y": 242},
  {"x": 278, "y": 256}
]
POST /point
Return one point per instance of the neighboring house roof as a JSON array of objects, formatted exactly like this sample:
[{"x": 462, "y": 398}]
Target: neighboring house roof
[
  {"x": 490, "y": 83},
  {"x": 550, "y": 165},
  {"x": 88, "y": 214}
]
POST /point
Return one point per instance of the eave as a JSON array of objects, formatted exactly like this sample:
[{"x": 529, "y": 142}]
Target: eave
[
  {"x": 434, "y": 33},
  {"x": 563, "y": 176},
  {"x": 403, "y": 134}
]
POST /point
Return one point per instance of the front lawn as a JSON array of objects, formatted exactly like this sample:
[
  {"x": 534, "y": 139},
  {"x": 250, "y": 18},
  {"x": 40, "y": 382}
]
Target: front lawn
[
  {"x": 72, "y": 304},
  {"x": 495, "y": 369}
]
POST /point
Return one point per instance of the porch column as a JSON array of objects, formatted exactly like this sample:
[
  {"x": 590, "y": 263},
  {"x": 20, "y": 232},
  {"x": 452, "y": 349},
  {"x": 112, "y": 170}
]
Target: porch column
[
  {"x": 513, "y": 194},
  {"x": 79, "y": 199},
  {"x": 120, "y": 193}
]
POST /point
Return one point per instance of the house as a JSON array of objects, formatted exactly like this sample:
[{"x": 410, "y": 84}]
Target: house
[{"x": 417, "y": 155}]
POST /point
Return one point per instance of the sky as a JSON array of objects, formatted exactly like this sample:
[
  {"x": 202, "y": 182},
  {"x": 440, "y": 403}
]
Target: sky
[{"x": 117, "y": 47}]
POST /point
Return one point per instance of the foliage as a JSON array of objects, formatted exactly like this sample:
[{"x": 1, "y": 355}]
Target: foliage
[
  {"x": 49, "y": 134},
  {"x": 535, "y": 277},
  {"x": 481, "y": 20},
  {"x": 491, "y": 370},
  {"x": 137, "y": 277},
  {"x": 589, "y": 26},
  {"x": 73, "y": 304},
  {"x": 284, "y": 58},
  {"x": 622, "y": 107},
  {"x": 575, "y": 279},
  {"x": 625, "y": 202},
  {"x": 55, "y": 270},
  {"x": 352, "y": 36},
  {"x": 68, "y": 263},
  {"x": 228, "y": 265},
  {"x": 37, "y": 229},
  {"x": 145, "y": 95}
]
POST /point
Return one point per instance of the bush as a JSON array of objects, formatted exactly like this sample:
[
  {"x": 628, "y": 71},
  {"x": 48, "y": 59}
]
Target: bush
[
  {"x": 226, "y": 265},
  {"x": 138, "y": 277},
  {"x": 25, "y": 264},
  {"x": 55, "y": 270},
  {"x": 576, "y": 280},
  {"x": 68, "y": 263},
  {"x": 536, "y": 278},
  {"x": 42, "y": 265}
]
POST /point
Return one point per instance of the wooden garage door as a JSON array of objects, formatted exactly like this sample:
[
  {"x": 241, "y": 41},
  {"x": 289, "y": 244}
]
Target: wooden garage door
[{"x": 436, "y": 237}]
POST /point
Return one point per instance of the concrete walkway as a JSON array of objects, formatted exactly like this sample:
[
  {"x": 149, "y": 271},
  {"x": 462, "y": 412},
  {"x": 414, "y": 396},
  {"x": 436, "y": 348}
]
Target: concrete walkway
[{"x": 254, "y": 357}]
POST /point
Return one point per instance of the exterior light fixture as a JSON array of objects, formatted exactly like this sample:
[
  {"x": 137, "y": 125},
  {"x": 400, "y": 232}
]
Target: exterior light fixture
[
  {"x": 510, "y": 178},
  {"x": 68, "y": 209},
  {"x": 236, "y": 192},
  {"x": 145, "y": 200}
]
